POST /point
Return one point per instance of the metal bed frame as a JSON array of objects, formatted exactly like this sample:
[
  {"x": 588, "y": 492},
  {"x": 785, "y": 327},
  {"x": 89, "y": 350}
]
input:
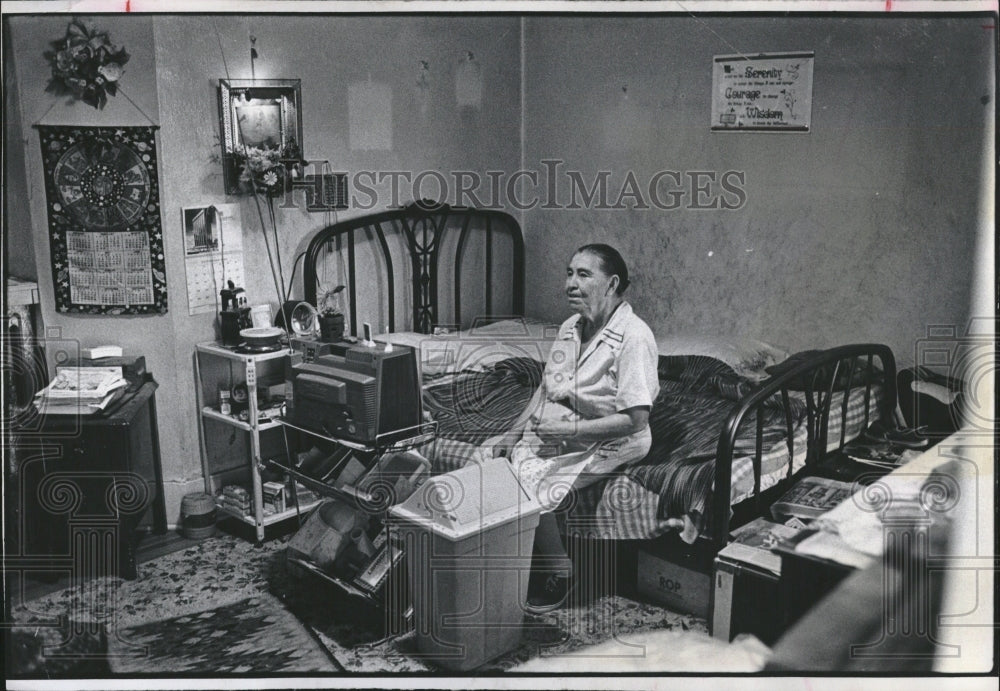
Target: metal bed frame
[
  {"x": 816, "y": 377},
  {"x": 423, "y": 225}
]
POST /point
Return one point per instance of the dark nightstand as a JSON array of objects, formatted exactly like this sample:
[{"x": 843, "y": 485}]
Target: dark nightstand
[{"x": 84, "y": 485}]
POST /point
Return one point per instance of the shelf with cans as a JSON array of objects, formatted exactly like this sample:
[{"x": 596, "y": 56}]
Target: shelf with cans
[
  {"x": 280, "y": 502},
  {"x": 239, "y": 389}
]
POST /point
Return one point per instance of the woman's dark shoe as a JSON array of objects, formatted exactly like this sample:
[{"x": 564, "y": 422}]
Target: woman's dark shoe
[{"x": 550, "y": 593}]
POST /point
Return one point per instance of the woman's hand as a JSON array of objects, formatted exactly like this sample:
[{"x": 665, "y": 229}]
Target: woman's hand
[
  {"x": 554, "y": 431},
  {"x": 587, "y": 431}
]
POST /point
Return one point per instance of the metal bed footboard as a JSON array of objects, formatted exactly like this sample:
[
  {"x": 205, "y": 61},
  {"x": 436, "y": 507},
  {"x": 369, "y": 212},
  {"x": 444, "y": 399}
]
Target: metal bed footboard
[{"x": 817, "y": 378}]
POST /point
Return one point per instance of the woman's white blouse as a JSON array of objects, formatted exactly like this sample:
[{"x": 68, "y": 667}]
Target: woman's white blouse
[{"x": 616, "y": 371}]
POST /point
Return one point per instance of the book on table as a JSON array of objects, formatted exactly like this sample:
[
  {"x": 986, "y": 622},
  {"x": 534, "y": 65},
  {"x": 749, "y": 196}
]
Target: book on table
[
  {"x": 78, "y": 407},
  {"x": 881, "y": 453},
  {"x": 100, "y": 352},
  {"x": 84, "y": 382}
]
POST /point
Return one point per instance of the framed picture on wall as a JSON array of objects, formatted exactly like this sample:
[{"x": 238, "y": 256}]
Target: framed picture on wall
[
  {"x": 262, "y": 114},
  {"x": 259, "y": 124},
  {"x": 769, "y": 92}
]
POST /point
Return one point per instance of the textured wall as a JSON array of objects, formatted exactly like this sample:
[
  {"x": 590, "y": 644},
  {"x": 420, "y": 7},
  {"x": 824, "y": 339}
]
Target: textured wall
[
  {"x": 326, "y": 54},
  {"x": 27, "y": 104},
  {"x": 863, "y": 229},
  {"x": 150, "y": 336}
]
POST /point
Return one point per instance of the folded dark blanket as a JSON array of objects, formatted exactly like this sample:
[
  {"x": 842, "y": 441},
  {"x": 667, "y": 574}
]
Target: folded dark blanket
[{"x": 849, "y": 374}]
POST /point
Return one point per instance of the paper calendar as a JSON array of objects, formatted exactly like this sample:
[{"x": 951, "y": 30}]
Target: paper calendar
[{"x": 213, "y": 249}]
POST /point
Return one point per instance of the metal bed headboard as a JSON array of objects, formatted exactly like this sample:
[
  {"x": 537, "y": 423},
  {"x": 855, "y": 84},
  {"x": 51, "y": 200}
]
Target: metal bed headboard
[{"x": 424, "y": 227}]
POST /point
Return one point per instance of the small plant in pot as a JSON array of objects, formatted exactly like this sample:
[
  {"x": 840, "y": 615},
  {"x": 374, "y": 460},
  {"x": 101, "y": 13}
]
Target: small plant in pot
[{"x": 331, "y": 317}]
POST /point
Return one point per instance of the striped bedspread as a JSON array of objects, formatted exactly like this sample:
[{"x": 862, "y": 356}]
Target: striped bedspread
[{"x": 676, "y": 477}]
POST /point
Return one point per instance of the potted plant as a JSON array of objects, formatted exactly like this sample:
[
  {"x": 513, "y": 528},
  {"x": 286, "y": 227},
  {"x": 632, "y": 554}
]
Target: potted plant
[{"x": 331, "y": 317}]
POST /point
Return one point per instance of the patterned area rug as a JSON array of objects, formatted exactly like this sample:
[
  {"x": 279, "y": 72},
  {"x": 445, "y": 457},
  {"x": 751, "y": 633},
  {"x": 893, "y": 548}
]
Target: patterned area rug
[
  {"x": 360, "y": 644},
  {"x": 226, "y": 570},
  {"x": 253, "y": 636}
]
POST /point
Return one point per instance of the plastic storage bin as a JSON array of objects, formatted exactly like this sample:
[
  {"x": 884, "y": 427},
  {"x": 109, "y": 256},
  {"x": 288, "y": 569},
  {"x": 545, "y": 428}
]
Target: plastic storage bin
[{"x": 468, "y": 538}]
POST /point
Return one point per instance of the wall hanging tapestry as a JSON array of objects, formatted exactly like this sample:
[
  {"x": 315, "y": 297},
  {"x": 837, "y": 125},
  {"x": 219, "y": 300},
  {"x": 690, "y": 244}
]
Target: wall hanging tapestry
[{"x": 104, "y": 219}]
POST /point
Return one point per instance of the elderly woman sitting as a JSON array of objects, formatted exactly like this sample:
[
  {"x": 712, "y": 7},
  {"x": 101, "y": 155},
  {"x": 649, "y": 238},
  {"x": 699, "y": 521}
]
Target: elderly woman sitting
[{"x": 590, "y": 415}]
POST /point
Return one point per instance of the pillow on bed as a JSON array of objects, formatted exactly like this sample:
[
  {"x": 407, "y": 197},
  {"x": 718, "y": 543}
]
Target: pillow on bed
[
  {"x": 748, "y": 357},
  {"x": 525, "y": 327}
]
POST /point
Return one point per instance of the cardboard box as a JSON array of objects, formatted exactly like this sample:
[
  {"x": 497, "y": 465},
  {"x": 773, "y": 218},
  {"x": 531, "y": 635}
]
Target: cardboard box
[
  {"x": 326, "y": 534},
  {"x": 304, "y": 495},
  {"x": 746, "y": 598},
  {"x": 273, "y": 496},
  {"x": 678, "y": 588}
]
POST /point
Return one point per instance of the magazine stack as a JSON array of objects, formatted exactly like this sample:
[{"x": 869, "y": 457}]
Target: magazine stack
[{"x": 81, "y": 391}]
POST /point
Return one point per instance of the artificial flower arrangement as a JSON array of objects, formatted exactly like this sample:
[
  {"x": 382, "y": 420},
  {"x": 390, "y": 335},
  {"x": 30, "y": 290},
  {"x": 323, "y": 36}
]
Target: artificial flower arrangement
[
  {"x": 263, "y": 174},
  {"x": 265, "y": 170},
  {"x": 86, "y": 64}
]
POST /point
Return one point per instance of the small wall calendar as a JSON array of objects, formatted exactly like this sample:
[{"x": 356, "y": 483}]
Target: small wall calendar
[{"x": 213, "y": 253}]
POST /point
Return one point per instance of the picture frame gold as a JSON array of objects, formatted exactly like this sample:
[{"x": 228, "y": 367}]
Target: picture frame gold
[{"x": 262, "y": 113}]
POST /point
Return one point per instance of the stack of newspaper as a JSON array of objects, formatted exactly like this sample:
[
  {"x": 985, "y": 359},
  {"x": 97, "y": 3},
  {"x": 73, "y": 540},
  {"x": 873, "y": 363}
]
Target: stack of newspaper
[{"x": 81, "y": 390}]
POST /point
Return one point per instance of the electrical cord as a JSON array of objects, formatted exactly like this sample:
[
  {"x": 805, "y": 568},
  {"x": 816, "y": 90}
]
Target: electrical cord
[{"x": 295, "y": 266}]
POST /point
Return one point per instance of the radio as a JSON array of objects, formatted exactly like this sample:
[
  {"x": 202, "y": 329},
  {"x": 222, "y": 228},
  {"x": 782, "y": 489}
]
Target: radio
[
  {"x": 235, "y": 314},
  {"x": 311, "y": 348}
]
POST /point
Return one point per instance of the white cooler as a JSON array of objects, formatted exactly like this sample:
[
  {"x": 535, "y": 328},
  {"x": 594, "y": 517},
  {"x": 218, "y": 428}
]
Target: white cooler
[{"x": 468, "y": 538}]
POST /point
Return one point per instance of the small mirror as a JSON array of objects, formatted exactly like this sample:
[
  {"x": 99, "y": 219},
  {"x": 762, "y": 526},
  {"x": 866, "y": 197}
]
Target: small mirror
[{"x": 258, "y": 113}]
